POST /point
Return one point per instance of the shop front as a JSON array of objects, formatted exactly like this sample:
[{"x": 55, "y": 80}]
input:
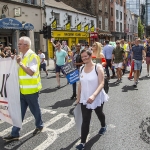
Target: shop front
[
  {"x": 93, "y": 37},
  {"x": 11, "y": 29},
  {"x": 72, "y": 38}
]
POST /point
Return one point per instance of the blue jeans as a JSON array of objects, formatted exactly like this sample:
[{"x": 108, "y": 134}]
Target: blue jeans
[{"x": 30, "y": 100}]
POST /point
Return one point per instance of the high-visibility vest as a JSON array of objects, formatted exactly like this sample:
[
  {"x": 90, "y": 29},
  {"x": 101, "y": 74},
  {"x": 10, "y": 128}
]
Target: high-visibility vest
[
  {"x": 125, "y": 48},
  {"x": 29, "y": 84}
]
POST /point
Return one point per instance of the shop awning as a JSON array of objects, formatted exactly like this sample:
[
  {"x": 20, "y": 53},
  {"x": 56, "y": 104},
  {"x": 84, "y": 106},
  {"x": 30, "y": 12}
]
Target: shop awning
[
  {"x": 28, "y": 26},
  {"x": 105, "y": 34},
  {"x": 10, "y": 23}
]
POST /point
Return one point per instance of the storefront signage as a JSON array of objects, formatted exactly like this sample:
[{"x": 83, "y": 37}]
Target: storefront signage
[
  {"x": 28, "y": 26},
  {"x": 68, "y": 26},
  {"x": 92, "y": 29},
  {"x": 10, "y": 23},
  {"x": 17, "y": 12},
  {"x": 79, "y": 26},
  {"x": 93, "y": 35},
  {"x": 70, "y": 34},
  {"x": 54, "y": 24},
  {"x": 86, "y": 28}
]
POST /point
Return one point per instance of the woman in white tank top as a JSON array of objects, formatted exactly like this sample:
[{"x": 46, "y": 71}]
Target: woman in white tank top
[{"x": 91, "y": 95}]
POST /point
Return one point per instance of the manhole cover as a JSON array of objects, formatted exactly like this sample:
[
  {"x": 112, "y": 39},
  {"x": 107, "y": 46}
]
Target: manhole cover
[{"x": 145, "y": 126}]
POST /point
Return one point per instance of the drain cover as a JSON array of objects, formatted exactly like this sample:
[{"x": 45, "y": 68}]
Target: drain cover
[{"x": 145, "y": 127}]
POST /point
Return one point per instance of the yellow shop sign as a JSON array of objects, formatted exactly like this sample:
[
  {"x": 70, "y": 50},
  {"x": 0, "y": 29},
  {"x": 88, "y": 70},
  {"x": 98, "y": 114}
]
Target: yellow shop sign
[{"x": 69, "y": 34}]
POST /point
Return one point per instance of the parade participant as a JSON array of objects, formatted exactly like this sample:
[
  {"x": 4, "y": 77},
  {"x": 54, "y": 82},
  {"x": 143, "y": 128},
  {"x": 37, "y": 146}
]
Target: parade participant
[
  {"x": 126, "y": 50},
  {"x": 64, "y": 46},
  {"x": 117, "y": 55},
  {"x": 2, "y": 53},
  {"x": 107, "y": 51},
  {"x": 147, "y": 50},
  {"x": 91, "y": 95},
  {"x": 61, "y": 59},
  {"x": 137, "y": 53},
  {"x": 42, "y": 62},
  {"x": 30, "y": 84},
  {"x": 77, "y": 62},
  {"x": 97, "y": 54}
]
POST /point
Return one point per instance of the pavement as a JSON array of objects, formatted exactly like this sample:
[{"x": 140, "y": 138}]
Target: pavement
[{"x": 127, "y": 116}]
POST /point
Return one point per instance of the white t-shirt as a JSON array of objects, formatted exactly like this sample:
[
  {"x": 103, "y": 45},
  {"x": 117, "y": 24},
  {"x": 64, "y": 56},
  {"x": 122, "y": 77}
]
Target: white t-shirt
[{"x": 42, "y": 55}]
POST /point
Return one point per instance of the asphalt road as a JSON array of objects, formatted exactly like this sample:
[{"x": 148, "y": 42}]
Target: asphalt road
[{"x": 127, "y": 117}]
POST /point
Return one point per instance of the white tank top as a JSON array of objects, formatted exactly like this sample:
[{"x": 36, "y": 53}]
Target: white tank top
[{"x": 89, "y": 84}]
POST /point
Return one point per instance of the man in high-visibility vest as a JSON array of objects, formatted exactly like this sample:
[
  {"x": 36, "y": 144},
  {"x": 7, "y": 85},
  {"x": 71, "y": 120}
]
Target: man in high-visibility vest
[{"x": 30, "y": 84}]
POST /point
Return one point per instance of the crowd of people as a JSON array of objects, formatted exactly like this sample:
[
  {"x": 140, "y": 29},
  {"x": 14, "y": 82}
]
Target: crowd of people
[{"x": 92, "y": 63}]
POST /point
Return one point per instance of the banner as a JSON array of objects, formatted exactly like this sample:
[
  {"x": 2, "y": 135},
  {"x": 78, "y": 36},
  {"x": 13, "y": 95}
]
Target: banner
[
  {"x": 79, "y": 26},
  {"x": 10, "y": 110},
  {"x": 92, "y": 29},
  {"x": 86, "y": 28},
  {"x": 68, "y": 26},
  {"x": 72, "y": 74},
  {"x": 54, "y": 24}
]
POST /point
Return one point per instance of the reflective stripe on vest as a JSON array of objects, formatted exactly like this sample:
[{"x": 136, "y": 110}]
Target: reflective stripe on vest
[{"x": 29, "y": 84}]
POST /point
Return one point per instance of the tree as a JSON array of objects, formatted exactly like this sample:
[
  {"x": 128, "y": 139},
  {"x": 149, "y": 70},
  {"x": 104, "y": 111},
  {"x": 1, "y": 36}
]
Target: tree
[{"x": 140, "y": 29}]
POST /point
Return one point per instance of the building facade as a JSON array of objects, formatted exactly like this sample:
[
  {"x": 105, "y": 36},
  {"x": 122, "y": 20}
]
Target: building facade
[
  {"x": 69, "y": 24},
  {"x": 147, "y": 20},
  {"x": 118, "y": 19},
  {"x": 21, "y": 18},
  {"x": 131, "y": 26},
  {"x": 98, "y": 8}
]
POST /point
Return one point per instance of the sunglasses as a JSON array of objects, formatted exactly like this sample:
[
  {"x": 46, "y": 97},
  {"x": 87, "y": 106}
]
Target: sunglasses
[{"x": 117, "y": 43}]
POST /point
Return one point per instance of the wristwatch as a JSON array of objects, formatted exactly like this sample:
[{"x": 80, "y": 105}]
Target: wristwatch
[{"x": 20, "y": 64}]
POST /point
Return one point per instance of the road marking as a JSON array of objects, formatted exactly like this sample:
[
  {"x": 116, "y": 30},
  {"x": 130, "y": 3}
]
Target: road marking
[
  {"x": 43, "y": 111},
  {"x": 52, "y": 134}
]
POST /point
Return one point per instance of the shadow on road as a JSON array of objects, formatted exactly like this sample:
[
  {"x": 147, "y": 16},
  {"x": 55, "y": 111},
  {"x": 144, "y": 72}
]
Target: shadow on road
[
  {"x": 145, "y": 78},
  {"x": 113, "y": 84},
  {"x": 127, "y": 88},
  {"x": 91, "y": 142},
  {"x": 71, "y": 145},
  {"x": 62, "y": 103}
]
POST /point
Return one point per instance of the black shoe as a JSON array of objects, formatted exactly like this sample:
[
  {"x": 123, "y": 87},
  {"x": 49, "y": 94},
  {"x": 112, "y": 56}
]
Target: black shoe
[
  {"x": 73, "y": 96},
  {"x": 58, "y": 87},
  {"x": 10, "y": 138},
  {"x": 37, "y": 131}
]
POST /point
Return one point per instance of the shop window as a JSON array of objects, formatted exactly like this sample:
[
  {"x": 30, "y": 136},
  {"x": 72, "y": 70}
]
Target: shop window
[
  {"x": 36, "y": 41},
  {"x": 70, "y": 19},
  {"x": 92, "y": 23},
  {"x": 56, "y": 15}
]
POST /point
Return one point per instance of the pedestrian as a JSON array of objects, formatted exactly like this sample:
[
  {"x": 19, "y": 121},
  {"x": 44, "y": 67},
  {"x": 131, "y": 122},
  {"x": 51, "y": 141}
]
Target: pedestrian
[
  {"x": 126, "y": 50},
  {"x": 147, "y": 50},
  {"x": 117, "y": 55},
  {"x": 3, "y": 53},
  {"x": 42, "y": 62},
  {"x": 30, "y": 84},
  {"x": 97, "y": 54},
  {"x": 107, "y": 51},
  {"x": 137, "y": 53},
  {"x": 61, "y": 60},
  {"x": 91, "y": 95},
  {"x": 64, "y": 46},
  {"x": 77, "y": 61}
]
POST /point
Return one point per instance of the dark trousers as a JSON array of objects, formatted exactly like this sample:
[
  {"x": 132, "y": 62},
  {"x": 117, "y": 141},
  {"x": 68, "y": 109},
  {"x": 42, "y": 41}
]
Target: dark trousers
[
  {"x": 86, "y": 115},
  {"x": 108, "y": 61},
  {"x": 74, "y": 88},
  {"x": 31, "y": 101}
]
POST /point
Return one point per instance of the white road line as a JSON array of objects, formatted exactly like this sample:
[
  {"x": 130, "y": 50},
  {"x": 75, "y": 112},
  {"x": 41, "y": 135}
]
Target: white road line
[
  {"x": 52, "y": 134},
  {"x": 43, "y": 111}
]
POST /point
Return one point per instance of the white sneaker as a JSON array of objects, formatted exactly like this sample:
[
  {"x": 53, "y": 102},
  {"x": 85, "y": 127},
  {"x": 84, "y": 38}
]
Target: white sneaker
[
  {"x": 137, "y": 81},
  {"x": 148, "y": 75}
]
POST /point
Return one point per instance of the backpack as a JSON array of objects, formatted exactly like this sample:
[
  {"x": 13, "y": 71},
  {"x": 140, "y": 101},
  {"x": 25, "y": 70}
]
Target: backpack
[{"x": 106, "y": 85}]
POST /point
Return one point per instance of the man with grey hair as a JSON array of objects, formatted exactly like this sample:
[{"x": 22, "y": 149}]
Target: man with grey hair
[{"x": 30, "y": 84}]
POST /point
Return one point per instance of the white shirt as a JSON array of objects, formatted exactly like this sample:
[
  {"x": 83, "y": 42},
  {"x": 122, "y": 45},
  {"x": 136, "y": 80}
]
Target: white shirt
[
  {"x": 33, "y": 65},
  {"x": 42, "y": 55}
]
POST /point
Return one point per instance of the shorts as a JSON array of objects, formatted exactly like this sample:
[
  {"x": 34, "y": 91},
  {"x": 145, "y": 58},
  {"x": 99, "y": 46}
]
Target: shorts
[
  {"x": 137, "y": 64},
  {"x": 147, "y": 60},
  {"x": 43, "y": 66},
  {"x": 118, "y": 65},
  {"x": 58, "y": 69}
]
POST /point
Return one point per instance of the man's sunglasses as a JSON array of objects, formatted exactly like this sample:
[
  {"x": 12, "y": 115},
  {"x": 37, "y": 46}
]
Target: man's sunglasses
[{"x": 117, "y": 43}]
